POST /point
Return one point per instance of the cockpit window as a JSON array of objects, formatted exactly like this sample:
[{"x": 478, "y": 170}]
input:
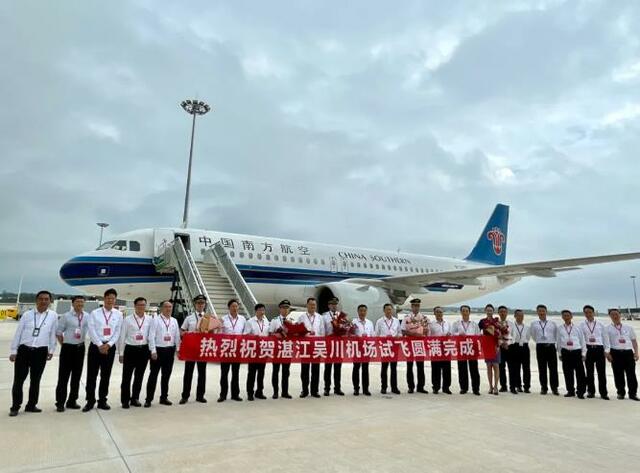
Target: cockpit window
[
  {"x": 120, "y": 245},
  {"x": 106, "y": 244},
  {"x": 134, "y": 245}
]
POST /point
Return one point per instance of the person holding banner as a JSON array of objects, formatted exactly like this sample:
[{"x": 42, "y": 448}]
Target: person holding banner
[
  {"x": 520, "y": 353},
  {"x": 314, "y": 323},
  {"x": 388, "y": 326},
  {"x": 464, "y": 327},
  {"x": 164, "y": 341},
  {"x": 415, "y": 324},
  {"x": 440, "y": 370},
  {"x": 257, "y": 325},
  {"x": 364, "y": 328},
  {"x": 545, "y": 333},
  {"x": 276, "y": 328},
  {"x": 191, "y": 323},
  {"x": 328, "y": 367},
  {"x": 234, "y": 324}
]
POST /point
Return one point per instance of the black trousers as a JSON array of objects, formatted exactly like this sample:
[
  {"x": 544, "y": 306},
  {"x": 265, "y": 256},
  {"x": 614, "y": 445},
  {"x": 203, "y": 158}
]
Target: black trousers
[
  {"x": 394, "y": 375},
  {"x": 97, "y": 362},
  {"x": 188, "y": 377},
  {"x": 596, "y": 359},
  {"x": 441, "y": 375},
  {"x": 29, "y": 361},
  {"x": 623, "y": 364},
  {"x": 504, "y": 361},
  {"x": 163, "y": 365},
  {"x": 521, "y": 356},
  {"x": 255, "y": 376},
  {"x": 70, "y": 366},
  {"x": 547, "y": 357},
  {"x": 466, "y": 369},
  {"x": 134, "y": 364},
  {"x": 573, "y": 369},
  {"x": 314, "y": 382},
  {"x": 224, "y": 379},
  {"x": 275, "y": 374},
  {"x": 355, "y": 377},
  {"x": 337, "y": 374},
  {"x": 410, "y": 380}
]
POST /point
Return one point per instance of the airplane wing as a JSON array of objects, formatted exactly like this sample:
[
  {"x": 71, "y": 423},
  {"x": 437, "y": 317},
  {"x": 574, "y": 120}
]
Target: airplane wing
[{"x": 545, "y": 269}]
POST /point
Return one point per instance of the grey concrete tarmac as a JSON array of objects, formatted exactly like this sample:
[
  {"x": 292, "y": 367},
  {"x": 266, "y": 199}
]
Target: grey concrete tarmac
[{"x": 436, "y": 433}]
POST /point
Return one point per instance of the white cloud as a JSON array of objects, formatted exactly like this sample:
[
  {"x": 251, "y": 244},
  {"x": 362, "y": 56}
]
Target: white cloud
[
  {"x": 104, "y": 130},
  {"x": 629, "y": 112}
]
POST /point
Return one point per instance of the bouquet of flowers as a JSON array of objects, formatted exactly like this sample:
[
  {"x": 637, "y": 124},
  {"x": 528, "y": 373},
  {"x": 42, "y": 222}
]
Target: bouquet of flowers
[
  {"x": 209, "y": 324},
  {"x": 417, "y": 325},
  {"x": 342, "y": 326},
  {"x": 293, "y": 329},
  {"x": 493, "y": 328}
]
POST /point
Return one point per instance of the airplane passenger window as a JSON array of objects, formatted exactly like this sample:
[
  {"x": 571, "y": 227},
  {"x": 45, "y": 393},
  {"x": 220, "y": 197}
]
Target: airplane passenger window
[
  {"x": 315, "y": 260},
  {"x": 299, "y": 259},
  {"x": 377, "y": 266},
  {"x": 358, "y": 265},
  {"x": 106, "y": 244},
  {"x": 120, "y": 245},
  {"x": 250, "y": 255},
  {"x": 322, "y": 261},
  {"x": 352, "y": 264},
  {"x": 275, "y": 257},
  {"x": 241, "y": 254},
  {"x": 232, "y": 254},
  {"x": 267, "y": 257},
  {"x": 308, "y": 260},
  {"x": 395, "y": 268},
  {"x": 259, "y": 256},
  {"x": 134, "y": 245}
]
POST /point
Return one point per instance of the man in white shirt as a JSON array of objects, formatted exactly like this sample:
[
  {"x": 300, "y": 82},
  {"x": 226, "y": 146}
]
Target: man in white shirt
[
  {"x": 466, "y": 368},
  {"x": 364, "y": 328},
  {"x": 545, "y": 333},
  {"x": 105, "y": 324},
  {"x": 388, "y": 326},
  {"x": 257, "y": 325},
  {"x": 71, "y": 333},
  {"x": 232, "y": 324},
  {"x": 315, "y": 325},
  {"x": 597, "y": 342},
  {"x": 190, "y": 324},
  {"x": 133, "y": 348},
  {"x": 623, "y": 355},
  {"x": 520, "y": 353},
  {"x": 415, "y": 316},
  {"x": 32, "y": 346},
  {"x": 328, "y": 367},
  {"x": 572, "y": 352},
  {"x": 275, "y": 328},
  {"x": 505, "y": 358},
  {"x": 440, "y": 370},
  {"x": 164, "y": 343}
]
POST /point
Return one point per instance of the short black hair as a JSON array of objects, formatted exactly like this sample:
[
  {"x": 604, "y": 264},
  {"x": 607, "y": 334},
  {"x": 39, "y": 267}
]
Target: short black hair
[
  {"x": 541, "y": 306},
  {"x": 75, "y": 298},
  {"x": 588, "y": 306},
  {"x": 565, "y": 311},
  {"x": 44, "y": 291},
  {"x": 463, "y": 306},
  {"x": 138, "y": 299},
  {"x": 613, "y": 309},
  {"x": 231, "y": 301},
  {"x": 311, "y": 299},
  {"x": 515, "y": 312},
  {"x": 164, "y": 301},
  {"x": 436, "y": 308},
  {"x": 502, "y": 307},
  {"x": 361, "y": 306},
  {"x": 258, "y": 306},
  {"x": 489, "y": 305},
  {"x": 110, "y": 292},
  {"x": 387, "y": 305}
]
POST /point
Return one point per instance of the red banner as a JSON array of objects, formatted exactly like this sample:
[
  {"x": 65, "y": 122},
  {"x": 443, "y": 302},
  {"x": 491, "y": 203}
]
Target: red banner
[{"x": 253, "y": 349}]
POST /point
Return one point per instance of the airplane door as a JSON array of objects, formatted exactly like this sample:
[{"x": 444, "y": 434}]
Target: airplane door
[{"x": 161, "y": 238}]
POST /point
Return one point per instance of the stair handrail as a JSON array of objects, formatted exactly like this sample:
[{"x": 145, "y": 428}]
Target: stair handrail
[{"x": 232, "y": 273}]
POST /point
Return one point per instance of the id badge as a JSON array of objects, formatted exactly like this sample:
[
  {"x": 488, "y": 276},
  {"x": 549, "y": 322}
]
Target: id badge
[
  {"x": 106, "y": 331},
  {"x": 77, "y": 333},
  {"x": 592, "y": 339},
  {"x": 167, "y": 338},
  {"x": 569, "y": 343},
  {"x": 36, "y": 332},
  {"x": 139, "y": 336},
  {"x": 620, "y": 340}
]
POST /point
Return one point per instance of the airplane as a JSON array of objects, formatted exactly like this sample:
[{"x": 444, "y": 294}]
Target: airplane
[{"x": 277, "y": 269}]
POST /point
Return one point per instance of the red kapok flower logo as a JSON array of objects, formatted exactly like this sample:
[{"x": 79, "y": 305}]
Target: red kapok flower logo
[{"x": 497, "y": 238}]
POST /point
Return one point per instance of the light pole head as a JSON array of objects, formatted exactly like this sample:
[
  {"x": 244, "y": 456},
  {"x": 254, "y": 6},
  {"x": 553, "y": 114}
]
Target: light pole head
[
  {"x": 195, "y": 107},
  {"x": 102, "y": 224}
]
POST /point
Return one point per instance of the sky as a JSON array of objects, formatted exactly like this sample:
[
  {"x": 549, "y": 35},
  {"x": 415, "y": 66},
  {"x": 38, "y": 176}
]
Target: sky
[{"x": 376, "y": 124}]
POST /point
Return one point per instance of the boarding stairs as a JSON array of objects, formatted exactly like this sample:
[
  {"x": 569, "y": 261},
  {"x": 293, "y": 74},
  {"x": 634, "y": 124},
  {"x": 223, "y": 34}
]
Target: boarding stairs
[{"x": 215, "y": 276}]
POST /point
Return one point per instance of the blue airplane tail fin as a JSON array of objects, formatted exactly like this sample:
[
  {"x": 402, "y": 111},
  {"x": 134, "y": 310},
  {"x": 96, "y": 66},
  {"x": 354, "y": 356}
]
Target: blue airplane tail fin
[{"x": 491, "y": 247}]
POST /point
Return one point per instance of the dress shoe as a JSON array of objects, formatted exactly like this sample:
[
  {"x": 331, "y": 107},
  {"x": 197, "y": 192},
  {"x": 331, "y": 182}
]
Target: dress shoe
[
  {"x": 519, "y": 389},
  {"x": 59, "y": 408},
  {"x": 13, "y": 412},
  {"x": 201, "y": 399},
  {"x": 447, "y": 391},
  {"x": 366, "y": 393},
  {"x": 124, "y": 406},
  {"x": 463, "y": 391},
  {"x": 275, "y": 396},
  {"x": 570, "y": 395},
  {"x": 356, "y": 393},
  {"x": 337, "y": 392},
  {"x": 514, "y": 391},
  {"x": 302, "y": 395},
  {"x": 580, "y": 396},
  {"x": 260, "y": 396},
  {"x": 166, "y": 402},
  {"x": 591, "y": 395},
  {"x": 620, "y": 396},
  {"x": 135, "y": 403},
  {"x": 32, "y": 409},
  {"x": 477, "y": 393},
  {"x": 423, "y": 391},
  {"x": 634, "y": 398},
  {"x": 395, "y": 391},
  {"x": 286, "y": 396},
  {"x": 315, "y": 395},
  {"x": 104, "y": 406},
  {"x": 236, "y": 398},
  {"x": 555, "y": 392},
  {"x": 327, "y": 393},
  {"x": 527, "y": 391},
  {"x": 72, "y": 405},
  {"x": 410, "y": 391},
  {"x": 543, "y": 392},
  {"x": 605, "y": 397},
  {"x": 249, "y": 397},
  {"x": 503, "y": 389},
  {"x": 435, "y": 391},
  {"x": 87, "y": 407},
  {"x": 383, "y": 391},
  {"x": 148, "y": 404},
  {"x": 222, "y": 399}
]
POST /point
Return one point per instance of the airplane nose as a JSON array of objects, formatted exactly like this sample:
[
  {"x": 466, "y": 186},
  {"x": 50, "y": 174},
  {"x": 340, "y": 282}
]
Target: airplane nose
[{"x": 66, "y": 270}]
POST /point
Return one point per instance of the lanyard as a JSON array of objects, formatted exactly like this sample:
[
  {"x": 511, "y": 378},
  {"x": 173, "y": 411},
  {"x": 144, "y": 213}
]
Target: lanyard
[
  {"x": 568, "y": 331},
  {"x": 543, "y": 326},
  {"x": 135, "y": 319},
  {"x": 80, "y": 317},
  {"x": 106, "y": 319},
  {"x": 35, "y": 324},
  {"x": 260, "y": 324},
  {"x": 233, "y": 322},
  {"x": 591, "y": 330},
  {"x": 363, "y": 324},
  {"x": 619, "y": 329},
  {"x": 441, "y": 326},
  {"x": 520, "y": 332},
  {"x": 389, "y": 326},
  {"x": 166, "y": 326},
  {"x": 312, "y": 321},
  {"x": 465, "y": 327}
]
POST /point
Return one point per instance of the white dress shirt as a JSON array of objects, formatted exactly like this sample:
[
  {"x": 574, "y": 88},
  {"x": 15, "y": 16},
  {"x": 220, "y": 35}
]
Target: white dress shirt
[
  {"x": 364, "y": 328},
  {"x": 105, "y": 326},
  {"x": 257, "y": 327},
  {"x": 544, "y": 331},
  {"x": 314, "y": 323},
  {"x": 135, "y": 331},
  {"x": 620, "y": 336},
  {"x": 327, "y": 317},
  {"x": 276, "y": 323},
  {"x": 387, "y": 327},
  {"x": 191, "y": 322},
  {"x": 163, "y": 333},
  {"x": 439, "y": 329},
  {"x": 36, "y": 329},
  {"x": 595, "y": 333},
  {"x": 233, "y": 326},
  {"x": 570, "y": 337},
  {"x": 460, "y": 327},
  {"x": 520, "y": 333},
  {"x": 73, "y": 327}
]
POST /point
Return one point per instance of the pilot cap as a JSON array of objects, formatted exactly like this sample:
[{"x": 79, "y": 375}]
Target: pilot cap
[
  {"x": 284, "y": 303},
  {"x": 415, "y": 301}
]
